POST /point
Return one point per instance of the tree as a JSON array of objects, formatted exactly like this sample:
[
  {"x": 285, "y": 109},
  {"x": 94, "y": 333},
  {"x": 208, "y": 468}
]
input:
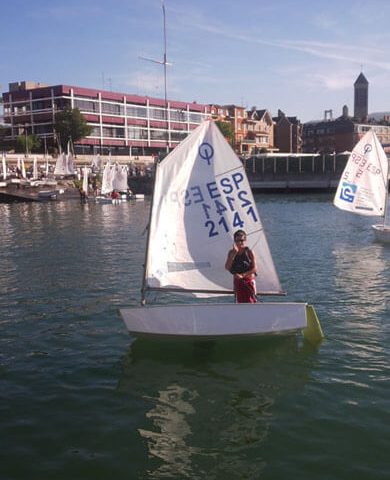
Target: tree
[
  {"x": 227, "y": 130},
  {"x": 70, "y": 125},
  {"x": 3, "y": 133},
  {"x": 27, "y": 143}
]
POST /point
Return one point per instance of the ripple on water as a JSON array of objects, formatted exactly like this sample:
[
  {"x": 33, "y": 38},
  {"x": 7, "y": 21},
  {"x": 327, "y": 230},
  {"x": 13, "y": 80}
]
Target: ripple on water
[{"x": 81, "y": 399}]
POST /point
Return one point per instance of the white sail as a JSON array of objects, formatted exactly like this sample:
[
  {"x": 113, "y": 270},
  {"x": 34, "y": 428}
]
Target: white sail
[
  {"x": 363, "y": 184},
  {"x": 201, "y": 197},
  {"x": 46, "y": 166},
  {"x": 97, "y": 162},
  {"x": 69, "y": 165},
  {"x": 35, "y": 168},
  {"x": 61, "y": 167},
  {"x": 23, "y": 169},
  {"x": 107, "y": 179},
  {"x": 85, "y": 180},
  {"x": 119, "y": 180},
  {"x": 4, "y": 166}
]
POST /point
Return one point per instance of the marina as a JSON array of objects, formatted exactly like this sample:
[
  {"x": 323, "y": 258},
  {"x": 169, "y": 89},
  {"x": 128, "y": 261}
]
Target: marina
[
  {"x": 180, "y": 298},
  {"x": 81, "y": 398},
  {"x": 266, "y": 173}
]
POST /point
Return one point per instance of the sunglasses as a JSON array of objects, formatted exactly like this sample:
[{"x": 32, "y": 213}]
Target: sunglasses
[{"x": 240, "y": 239}]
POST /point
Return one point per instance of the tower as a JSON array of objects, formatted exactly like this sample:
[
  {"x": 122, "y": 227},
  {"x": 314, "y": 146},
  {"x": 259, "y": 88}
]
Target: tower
[{"x": 361, "y": 98}]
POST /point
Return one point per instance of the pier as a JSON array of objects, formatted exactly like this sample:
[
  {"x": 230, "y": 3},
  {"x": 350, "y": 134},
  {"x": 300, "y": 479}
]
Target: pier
[{"x": 267, "y": 173}]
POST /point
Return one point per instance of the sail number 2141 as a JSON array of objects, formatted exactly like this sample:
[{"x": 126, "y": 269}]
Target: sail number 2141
[
  {"x": 229, "y": 209},
  {"x": 225, "y": 203}
]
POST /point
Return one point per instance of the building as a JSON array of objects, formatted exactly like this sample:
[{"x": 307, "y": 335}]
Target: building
[
  {"x": 253, "y": 129},
  {"x": 287, "y": 133},
  {"x": 122, "y": 123},
  {"x": 259, "y": 132},
  {"x": 341, "y": 134},
  {"x": 361, "y": 99}
]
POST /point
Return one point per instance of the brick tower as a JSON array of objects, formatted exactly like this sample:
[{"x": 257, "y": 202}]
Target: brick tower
[{"x": 361, "y": 98}]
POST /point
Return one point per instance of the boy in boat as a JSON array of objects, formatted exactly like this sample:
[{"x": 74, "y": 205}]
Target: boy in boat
[{"x": 241, "y": 263}]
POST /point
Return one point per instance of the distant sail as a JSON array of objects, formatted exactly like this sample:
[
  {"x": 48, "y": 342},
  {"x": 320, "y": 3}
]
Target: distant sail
[
  {"x": 363, "y": 184},
  {"x": 85, "y": 180},
  {"x": 119, "y": 178}
]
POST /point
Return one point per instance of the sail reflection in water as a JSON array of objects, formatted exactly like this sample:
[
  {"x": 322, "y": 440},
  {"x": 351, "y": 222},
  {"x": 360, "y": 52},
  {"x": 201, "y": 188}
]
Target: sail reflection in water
[
  {"x": 208, "y": 406},
  {"x": 169, "y": 417}
]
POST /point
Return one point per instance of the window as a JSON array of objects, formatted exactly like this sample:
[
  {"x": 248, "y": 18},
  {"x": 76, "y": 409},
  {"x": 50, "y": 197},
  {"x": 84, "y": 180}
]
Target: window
[
  {"x": 41, "y": 129},
  {"x": 178, "y": 136},
  {"x": 112, "y": 108},
  {"x": 113, "y": 132},
  {"x": 139, "y": 112},
  {"x": 178, "y": 115},
  {"x": 137, "y": 133},
  {"x": 41, "y": 105},
  {"x": 157, "y": 113},
  {"x": 158, "y": 135},
  {"x": 195, "y": 117},
  {"x": 86, "y": 105}
]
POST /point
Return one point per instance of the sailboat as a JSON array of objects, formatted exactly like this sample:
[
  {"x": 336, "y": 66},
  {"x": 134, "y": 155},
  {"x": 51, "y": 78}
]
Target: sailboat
[
  {"x": 114, "y": 179},
  {"x": 4, "y": 166},
  {"x": 363, "y": 186},
  {"x": 201, "y": 196},
  {"x": 85, "y": 181}
]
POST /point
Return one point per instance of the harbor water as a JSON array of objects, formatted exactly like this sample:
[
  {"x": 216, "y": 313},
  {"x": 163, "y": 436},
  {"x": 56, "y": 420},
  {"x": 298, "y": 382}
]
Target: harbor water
[{"x": 81, "y": 399}]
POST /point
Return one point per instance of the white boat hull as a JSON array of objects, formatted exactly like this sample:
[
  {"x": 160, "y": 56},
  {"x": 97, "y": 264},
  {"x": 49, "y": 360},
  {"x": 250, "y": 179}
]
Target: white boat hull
[
  {"x": 217, "y": 320},
  {"x": 382, "y": 234}
]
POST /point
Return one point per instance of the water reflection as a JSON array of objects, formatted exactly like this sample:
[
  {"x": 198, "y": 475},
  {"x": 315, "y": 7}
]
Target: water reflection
[
  {"x": 361, "y": 280},
  {"x": 168, "y": 442},
  {"x": 208, "y": 406}
]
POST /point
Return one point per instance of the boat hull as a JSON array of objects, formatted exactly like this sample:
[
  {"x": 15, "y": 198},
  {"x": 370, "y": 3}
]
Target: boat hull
[
  {"x": 217, "y": 320},
  {"x": 382, "y": 234}
]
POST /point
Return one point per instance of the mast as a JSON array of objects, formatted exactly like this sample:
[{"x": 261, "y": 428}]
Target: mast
[
  {"x": 386, "y": 200},
  {"x": 164, "y": 63},
  {"x": 143, "y": 288},
  {"x": 165, "y": 59}
]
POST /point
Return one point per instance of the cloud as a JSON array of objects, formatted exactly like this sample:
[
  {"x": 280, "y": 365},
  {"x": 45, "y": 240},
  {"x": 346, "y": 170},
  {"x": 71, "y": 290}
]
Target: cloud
[{"x": 356, "y": 53}]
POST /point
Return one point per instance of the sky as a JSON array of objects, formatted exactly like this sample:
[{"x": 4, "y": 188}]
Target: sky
[{"x": 299, "y": 56}]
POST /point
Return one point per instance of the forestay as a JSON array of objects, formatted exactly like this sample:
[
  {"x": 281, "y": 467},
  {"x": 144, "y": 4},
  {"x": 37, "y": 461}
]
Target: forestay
[
  {"x": 363, "y": 184},
  {"x": 201, "y": 197}
]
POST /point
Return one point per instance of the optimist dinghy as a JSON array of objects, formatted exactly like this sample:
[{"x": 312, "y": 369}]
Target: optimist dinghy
[
  {"x": 363, "y": 186},
  {"x": 201, "y": 197}
]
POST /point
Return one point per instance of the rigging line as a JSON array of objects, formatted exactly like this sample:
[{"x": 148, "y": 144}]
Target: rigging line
[
  {"x": 385, "y": 180},
  {"x": 239, "y": 167}
]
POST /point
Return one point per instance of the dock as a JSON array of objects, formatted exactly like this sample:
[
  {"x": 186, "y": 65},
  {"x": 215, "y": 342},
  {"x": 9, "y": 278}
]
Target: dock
[{"x": 40, "y": 193}]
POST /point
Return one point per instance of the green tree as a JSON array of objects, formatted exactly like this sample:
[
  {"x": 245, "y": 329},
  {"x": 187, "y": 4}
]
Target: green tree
[
  {"x": 70, "y": 125},
  {"x": 3, "y": 133},
  {"x": 227, "y": 130},
  {"x": 27, "y": 143}
]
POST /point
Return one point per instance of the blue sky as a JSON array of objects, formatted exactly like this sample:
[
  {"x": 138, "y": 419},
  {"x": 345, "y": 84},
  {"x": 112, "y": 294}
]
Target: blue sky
[{"x": 300, "y": 56}]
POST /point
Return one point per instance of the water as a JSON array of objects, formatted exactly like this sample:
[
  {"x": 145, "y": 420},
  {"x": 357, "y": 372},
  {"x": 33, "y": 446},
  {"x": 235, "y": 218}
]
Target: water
[{"x": 79, "y": 399}]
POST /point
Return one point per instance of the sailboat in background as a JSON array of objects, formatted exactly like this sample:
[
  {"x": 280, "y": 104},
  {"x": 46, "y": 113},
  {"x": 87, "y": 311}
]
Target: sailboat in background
[
  {"x": 97, "y": 163},
  {"x": 114, "y": 180},
  {"x": 4, "y": 166},
  {"x": 64, "y": 165},
  {"x": 85, "y": 181},
  {"x": 363, "y": 186},
  {"x": 200, "y": 198},
  {"x": 35, "y": 168}
]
